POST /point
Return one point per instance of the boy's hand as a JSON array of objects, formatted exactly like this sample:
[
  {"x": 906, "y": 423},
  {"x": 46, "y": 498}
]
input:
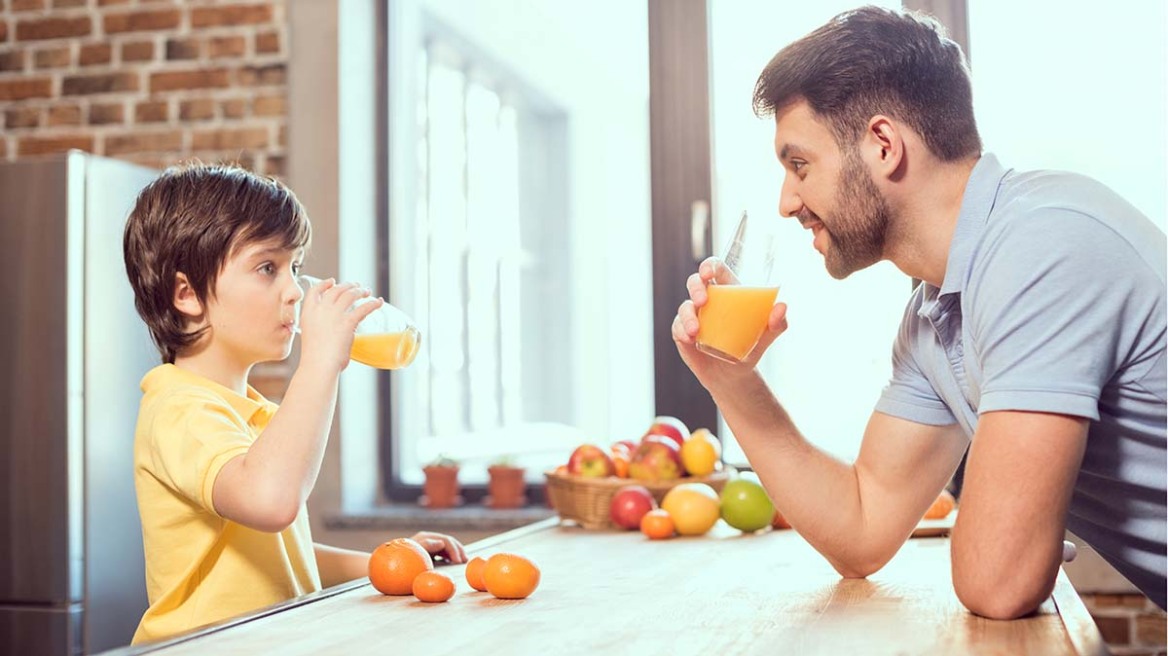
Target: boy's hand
[
  {"x": 328, "y": 321},
  {"x": 438, "y": 544}
]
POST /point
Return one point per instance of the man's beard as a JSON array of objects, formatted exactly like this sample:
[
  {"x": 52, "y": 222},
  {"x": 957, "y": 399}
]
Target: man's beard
[{"x": 860, "y": 221}]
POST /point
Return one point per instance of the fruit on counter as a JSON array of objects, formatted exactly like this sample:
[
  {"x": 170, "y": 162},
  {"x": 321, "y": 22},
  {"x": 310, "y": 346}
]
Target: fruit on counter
[
  {"x": 746, "y": 506},
  {"x": 779, "y": 521},
  {"x": 657, "y": 458},
  {"x": 433, "y": 587},
  {"x": 701, "y": 453},
  {"x": 694, "y": 508},
  {"x": 941, "y": 508},
  {"x": 627, "y": 444},
  {"x": 510, "y": 576},
  {"x": 670, "y": 427},
  {"x": 474, "y": 573},
  {"x": 620, "y": 463},
  {"x": 590, "y": 461},
  {"x": 394, "y": 565},
  {"x": 657, "y": 525},
  {"x": 629, "y": 505}
]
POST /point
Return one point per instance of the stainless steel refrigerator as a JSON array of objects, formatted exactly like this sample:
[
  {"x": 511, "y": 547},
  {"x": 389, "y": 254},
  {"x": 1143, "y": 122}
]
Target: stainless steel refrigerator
[{"x": 72, "y": 352}]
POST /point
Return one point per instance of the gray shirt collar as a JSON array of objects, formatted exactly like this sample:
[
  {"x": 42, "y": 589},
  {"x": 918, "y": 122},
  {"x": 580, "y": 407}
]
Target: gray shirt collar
[{"x": 981, "y": 191}]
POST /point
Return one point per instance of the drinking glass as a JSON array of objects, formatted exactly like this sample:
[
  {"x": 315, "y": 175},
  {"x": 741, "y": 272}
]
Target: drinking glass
[
  {"x": 386, "y": 339},
  {"x": 736, "y": 310}
]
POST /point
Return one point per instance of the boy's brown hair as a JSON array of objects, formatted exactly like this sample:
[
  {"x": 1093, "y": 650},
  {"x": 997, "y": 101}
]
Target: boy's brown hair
[
  {"x": 872, "y": 61},
  {"x": 189, "y": 220}
]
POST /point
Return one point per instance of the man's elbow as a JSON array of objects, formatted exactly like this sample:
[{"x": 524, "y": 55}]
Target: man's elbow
[{"x": 1001, "y": 598}]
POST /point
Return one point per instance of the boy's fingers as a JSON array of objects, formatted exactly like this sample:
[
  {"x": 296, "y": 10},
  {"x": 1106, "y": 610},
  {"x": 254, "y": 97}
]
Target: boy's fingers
[{"x": 365, "y": 309}]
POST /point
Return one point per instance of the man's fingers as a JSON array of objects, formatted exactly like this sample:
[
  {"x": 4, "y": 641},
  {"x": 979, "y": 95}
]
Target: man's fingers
[
  {"x": 696, "y": 288},
  {"x": 685, "y": 324}
]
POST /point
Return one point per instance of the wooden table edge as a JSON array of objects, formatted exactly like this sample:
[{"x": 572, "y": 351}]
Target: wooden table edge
[
  {"x": 311, "y": 598},
  {"x": 1081, "y": 628}
]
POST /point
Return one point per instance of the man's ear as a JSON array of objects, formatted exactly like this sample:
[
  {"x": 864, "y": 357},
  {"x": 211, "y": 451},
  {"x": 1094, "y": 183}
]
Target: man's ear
[
  {"x": 185, "y": 299},
  {"x": 883, "y": 146}
]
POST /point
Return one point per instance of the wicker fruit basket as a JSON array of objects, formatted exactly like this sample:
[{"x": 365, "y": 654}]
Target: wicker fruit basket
[{"x": 586, "y": 501}]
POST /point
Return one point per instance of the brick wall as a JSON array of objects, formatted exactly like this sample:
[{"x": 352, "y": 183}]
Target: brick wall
[
  {"x": 150, "y": 81},
  {"x": 1130, "y": 623}
]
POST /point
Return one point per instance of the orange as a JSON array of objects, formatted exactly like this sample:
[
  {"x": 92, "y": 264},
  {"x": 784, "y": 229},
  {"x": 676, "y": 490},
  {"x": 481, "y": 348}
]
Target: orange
[
  {"x": 394, "y": 565},
  {"x": 657, "y": 524},
  {"x": 941, "y": 507},
  {"x": 433, "y": 587},
  {"x": 510, "y": 576},
  {"x": 474, "y": 573}
]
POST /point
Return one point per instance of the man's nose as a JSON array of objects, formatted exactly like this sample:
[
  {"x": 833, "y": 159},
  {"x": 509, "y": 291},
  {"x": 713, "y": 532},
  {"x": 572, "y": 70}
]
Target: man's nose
[{"x": 789, "y": 201}]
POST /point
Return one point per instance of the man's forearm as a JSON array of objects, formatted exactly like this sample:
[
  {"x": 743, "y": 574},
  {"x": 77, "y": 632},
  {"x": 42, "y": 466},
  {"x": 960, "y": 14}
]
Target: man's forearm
[{"x": 818, "y": 494}]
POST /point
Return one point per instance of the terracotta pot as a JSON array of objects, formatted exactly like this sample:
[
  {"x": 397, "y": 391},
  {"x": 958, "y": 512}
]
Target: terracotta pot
[
  {"x": 506, "y": 487},
  {"x": 441, "y": 487}
]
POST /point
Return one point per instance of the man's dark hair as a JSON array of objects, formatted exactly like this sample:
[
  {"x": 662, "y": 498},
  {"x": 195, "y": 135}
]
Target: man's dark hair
[
  {"x": 872, "y": 61},
  {"x": 189, "y": 220}
]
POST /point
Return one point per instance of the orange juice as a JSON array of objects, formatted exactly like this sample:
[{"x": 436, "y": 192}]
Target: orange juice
[
  {"x": 386, "y": 350},
  {"x": 733, "y": 319}
]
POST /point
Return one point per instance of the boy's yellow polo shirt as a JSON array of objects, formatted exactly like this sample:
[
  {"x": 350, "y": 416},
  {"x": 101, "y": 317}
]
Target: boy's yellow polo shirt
[{"x": 201, "y": 568}]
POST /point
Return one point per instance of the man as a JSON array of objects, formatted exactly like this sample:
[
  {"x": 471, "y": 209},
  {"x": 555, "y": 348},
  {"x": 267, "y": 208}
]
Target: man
[{"x": 1036, "y": 339}]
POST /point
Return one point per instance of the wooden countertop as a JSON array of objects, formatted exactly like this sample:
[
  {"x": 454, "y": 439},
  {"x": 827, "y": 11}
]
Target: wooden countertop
[{"x": 621, "y": 593}]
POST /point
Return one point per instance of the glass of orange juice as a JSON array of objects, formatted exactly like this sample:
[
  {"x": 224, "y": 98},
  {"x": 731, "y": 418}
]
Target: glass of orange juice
[
  {"x": 739, "y": 303},
  {"x": 386, "y": 339}
]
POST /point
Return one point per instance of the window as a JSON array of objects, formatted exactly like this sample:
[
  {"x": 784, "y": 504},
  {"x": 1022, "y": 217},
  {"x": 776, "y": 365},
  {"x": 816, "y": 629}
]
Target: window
[
  {"x": 511, "y": 184},
  {"x": 1078, "y": 88}
]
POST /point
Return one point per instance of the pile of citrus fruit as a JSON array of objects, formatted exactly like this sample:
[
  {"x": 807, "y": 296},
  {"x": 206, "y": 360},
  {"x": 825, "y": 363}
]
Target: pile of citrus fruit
[{"x": 402, "y": 567}]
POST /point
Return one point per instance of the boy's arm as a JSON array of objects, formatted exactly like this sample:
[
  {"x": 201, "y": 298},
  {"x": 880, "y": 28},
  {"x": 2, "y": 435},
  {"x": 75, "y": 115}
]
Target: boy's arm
[
  {"x": 338, "y": 565},
  {"x": 265, "y": 487}
]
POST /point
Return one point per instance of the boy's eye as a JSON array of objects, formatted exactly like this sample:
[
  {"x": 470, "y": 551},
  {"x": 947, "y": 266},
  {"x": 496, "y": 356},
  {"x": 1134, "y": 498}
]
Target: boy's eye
[
  {"x": 267, "y": 269},
  {"x": 296, "y": 266}
]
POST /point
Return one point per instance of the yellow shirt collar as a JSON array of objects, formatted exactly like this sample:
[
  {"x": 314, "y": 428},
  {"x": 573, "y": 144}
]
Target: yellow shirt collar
[{"x": 254, "y": 408}]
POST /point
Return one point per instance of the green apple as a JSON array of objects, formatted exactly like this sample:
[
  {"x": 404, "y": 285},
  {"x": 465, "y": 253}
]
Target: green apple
[{"x": 746, "y": 506}]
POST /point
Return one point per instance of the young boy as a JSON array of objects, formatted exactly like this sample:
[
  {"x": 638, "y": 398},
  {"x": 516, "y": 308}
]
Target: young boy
[{"x": 221, "y": 474}]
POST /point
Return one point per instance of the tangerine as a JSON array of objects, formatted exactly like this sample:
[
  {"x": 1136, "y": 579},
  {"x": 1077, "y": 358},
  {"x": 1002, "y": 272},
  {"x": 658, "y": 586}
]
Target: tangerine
[
  {"x": 941, "y": 507},
  {"x": 474, "y": 573},
  {"x": 510, "y": 576},
  {"x": 394, "y": 565},
  {"x": 657, "y": 524},
  {"x": 433, "y": 587}
]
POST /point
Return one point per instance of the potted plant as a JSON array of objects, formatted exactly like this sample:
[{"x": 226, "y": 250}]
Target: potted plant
[
  {"x": 506, "y": 486},
  {"x": 441, "y": 486}
]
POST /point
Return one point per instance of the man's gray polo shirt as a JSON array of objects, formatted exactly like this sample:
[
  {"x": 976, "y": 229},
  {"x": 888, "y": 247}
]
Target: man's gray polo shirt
[{"x": 1054, "y": 301}]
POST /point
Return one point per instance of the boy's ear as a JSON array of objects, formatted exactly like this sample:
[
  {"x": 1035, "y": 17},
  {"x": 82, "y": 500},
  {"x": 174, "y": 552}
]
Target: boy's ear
[{"x": 185, "y": 299}]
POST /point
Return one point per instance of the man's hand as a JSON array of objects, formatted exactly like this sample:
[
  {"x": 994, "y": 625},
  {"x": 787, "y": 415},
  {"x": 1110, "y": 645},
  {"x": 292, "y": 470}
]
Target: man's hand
[{"x": 708, "y": 369}]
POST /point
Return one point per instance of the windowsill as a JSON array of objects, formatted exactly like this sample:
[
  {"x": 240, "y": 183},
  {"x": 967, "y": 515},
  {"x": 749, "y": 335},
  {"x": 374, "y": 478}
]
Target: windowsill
[{"x": 469, "y": 518}]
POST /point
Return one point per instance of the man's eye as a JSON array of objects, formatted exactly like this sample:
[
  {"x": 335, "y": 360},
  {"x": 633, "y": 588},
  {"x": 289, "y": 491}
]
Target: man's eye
[{"x": 797, "y": 165}]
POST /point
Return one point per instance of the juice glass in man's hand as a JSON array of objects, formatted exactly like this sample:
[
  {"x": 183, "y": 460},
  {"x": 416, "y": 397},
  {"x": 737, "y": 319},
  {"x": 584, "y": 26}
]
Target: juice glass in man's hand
[{"x": 739, "y": 301}]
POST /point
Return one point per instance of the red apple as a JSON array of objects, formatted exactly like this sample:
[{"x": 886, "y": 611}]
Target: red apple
[
  {"x": 590, "y": 461},
  {"x": 670, "y": 427},
  {"x": 657, "y": 458},
  {"x": 629, "y": 505}
]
